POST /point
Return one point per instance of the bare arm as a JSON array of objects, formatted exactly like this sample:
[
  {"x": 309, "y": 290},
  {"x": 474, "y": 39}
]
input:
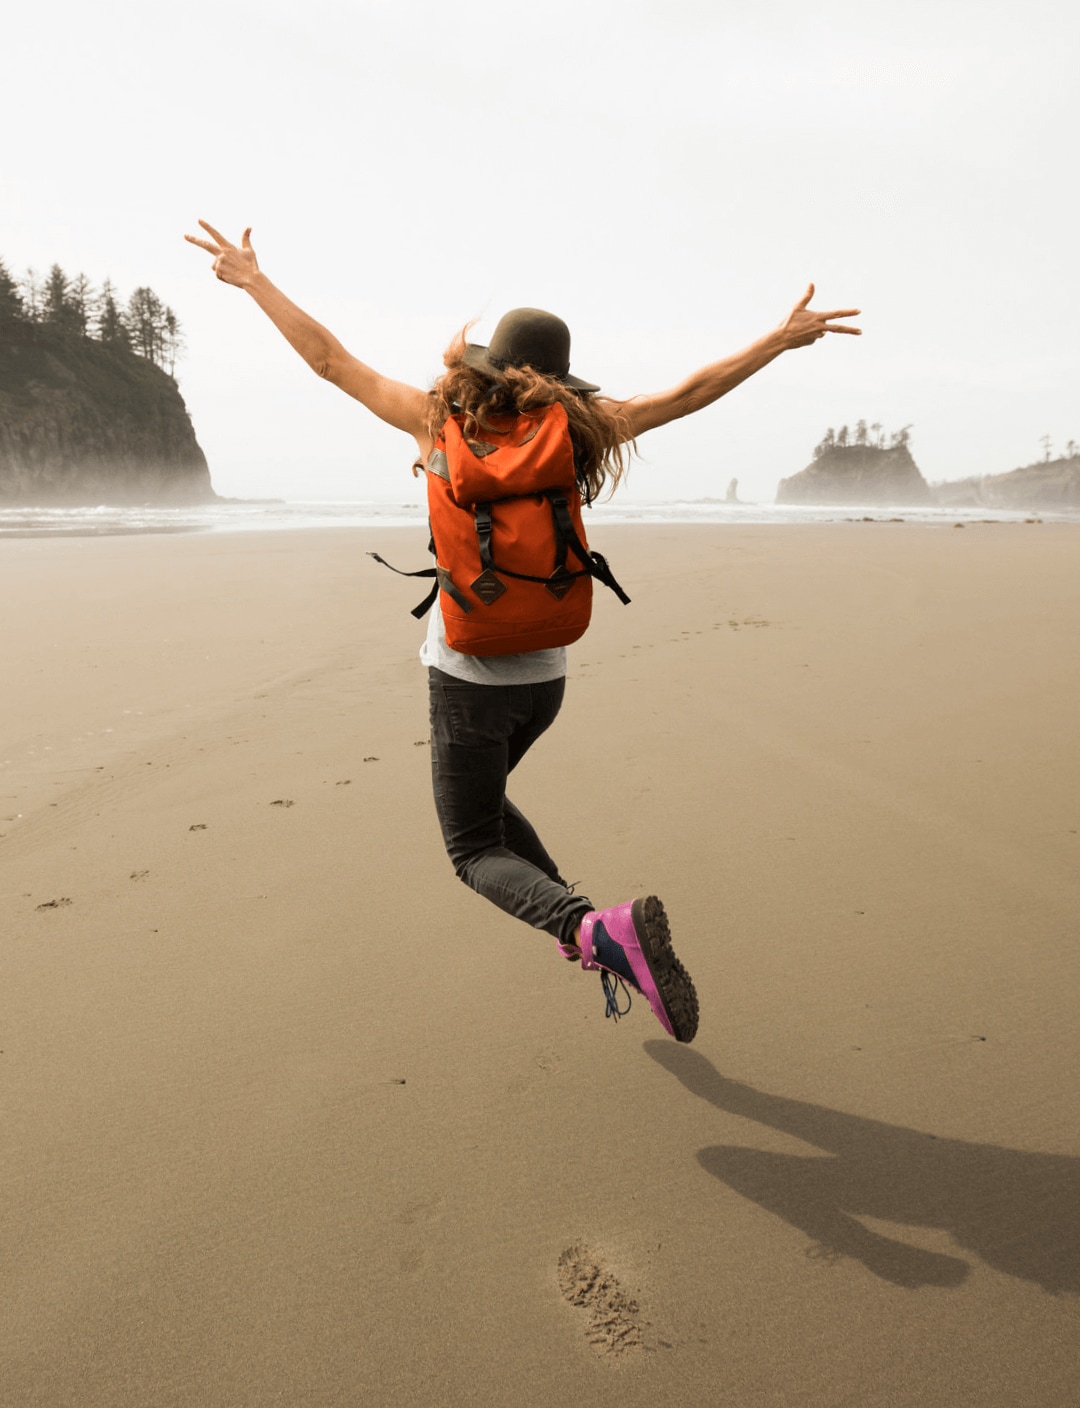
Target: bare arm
[
  {"x": 800, "y": 328},
  {"x": 397, "y": 403}
]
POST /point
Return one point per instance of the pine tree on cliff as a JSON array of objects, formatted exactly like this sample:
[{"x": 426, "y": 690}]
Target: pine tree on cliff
[
  {"x": 109, "y": 326},
  {"x": 145, "y": 319},
  {"x": 82, "y": 301},
  {"x": 30, "y": 289},
  {"x": 174, "y": 339},
  {"x": 11, "y": 304},
  {"x": 154, "y": 329},
  {"x": 57, "y": 310},
  {"x": 827, "y": 441}
]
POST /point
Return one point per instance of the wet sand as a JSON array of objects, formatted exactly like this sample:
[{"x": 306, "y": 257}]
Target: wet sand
[{"x": 291, "y": 1116}]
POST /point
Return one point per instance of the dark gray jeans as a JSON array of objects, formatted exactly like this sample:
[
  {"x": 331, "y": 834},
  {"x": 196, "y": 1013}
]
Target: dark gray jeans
[{"x": 479, "y": 734}]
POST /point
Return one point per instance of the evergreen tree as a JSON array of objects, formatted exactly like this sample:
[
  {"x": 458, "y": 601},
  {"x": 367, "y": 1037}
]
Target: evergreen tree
[
  {"x": 827, "y": 441},
  {"x": 57, "y": 310},
  {"x": 109, "y": 319},
  {"x": 145, "y": 322},
  {"x": 860, "y": 432},
  {"x": 877, "y": 429},
  {"x": 82, "y": 301},
  {"x": 842, "y": 436},
  {"x": 174, "y": 339},
  {"x": 30, "y": 287},
  {"x": 11, "y": 304}
]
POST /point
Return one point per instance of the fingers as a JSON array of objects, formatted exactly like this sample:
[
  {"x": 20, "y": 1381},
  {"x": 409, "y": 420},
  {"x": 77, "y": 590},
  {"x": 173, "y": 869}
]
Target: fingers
[
  {"x": 222, "y": 241},
  {"x": 245, "y": 239},
  {"x": 203, "y": 244},
  {"x": 842, "y": 327},
  {"x": 840, "y": 313},
  {"x": 802, "y": 303}
]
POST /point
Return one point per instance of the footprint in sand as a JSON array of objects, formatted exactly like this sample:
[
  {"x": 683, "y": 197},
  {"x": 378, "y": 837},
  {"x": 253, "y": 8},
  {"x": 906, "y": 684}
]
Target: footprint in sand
[
  {"x": 283, "y": 802},
  {"x": 612, "y": 1321},
  {"x": 56, "y": 904},
  {"x": 411, "y": 1239}
]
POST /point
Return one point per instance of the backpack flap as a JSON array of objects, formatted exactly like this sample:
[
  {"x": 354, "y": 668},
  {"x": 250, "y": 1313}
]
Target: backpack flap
[{"x": 532, "y": 452}]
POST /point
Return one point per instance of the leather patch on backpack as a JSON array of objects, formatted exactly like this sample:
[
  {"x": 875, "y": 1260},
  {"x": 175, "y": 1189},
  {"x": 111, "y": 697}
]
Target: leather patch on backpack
[
  {"x": 559, "y": 583},
  {"x": 531, "y": 434},
  {"x": 446, "y": 582},
  {"x": 488, "y": 587},
  {"x": 438, "y": 464}
]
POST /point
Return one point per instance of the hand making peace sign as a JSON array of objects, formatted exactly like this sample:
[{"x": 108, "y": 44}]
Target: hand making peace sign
[
  {"x": 232, "y": 264},
  {"x": 803, "y": 325}
]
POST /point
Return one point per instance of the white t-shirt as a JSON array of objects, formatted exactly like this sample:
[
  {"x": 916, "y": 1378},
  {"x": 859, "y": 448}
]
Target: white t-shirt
[{"x": 530, "y": 667}]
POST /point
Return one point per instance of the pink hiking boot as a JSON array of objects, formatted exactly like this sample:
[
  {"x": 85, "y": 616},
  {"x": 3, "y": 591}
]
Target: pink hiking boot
[{"x": 633, "y": 942}]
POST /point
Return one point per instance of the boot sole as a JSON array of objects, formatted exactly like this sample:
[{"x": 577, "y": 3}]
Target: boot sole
[{"x": 673, "y": 982}]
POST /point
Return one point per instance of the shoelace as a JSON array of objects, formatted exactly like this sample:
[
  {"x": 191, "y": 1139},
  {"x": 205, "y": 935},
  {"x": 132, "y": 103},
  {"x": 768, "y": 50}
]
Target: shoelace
[{"x": 611, "y": 982}]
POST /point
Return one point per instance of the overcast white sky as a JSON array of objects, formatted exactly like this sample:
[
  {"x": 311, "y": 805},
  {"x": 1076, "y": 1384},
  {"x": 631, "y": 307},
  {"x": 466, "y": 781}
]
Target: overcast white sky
[{"x": 667, "y": 175}]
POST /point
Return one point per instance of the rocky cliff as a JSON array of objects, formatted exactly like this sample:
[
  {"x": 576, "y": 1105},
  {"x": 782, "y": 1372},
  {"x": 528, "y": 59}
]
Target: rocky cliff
[
  {"x": 858, "y": 475},
  {"x": 1048, "y": 484},
  {"x": 82, "y": 422}
]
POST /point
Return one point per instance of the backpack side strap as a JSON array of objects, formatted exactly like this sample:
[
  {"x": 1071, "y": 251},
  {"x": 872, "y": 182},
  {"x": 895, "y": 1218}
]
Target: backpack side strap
[
  {"x": 594, "y": 563},
  {"x": 442, "y": 579}
]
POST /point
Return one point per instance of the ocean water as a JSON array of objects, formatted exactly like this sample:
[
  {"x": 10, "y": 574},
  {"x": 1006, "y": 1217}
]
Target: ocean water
[{"x": 283, "y": 516}]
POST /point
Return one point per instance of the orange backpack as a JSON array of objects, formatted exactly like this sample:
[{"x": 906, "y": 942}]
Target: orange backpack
[{"x": 511, "y": 559}]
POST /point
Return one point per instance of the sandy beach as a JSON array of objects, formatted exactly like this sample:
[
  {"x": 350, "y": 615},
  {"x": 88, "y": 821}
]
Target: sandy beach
[{"x": 291, "y": 1116}]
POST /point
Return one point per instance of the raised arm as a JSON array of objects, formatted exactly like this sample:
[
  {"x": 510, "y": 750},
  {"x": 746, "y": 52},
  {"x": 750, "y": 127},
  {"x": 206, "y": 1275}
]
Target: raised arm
[
  {"x": 800, "y": 328},
  {"x": 397, "y": 403}
]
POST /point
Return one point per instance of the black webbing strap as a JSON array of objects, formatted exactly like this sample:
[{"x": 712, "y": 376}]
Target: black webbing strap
[
  {"x": 452, "y": 590},
  {"x": 424, "y": 571},
  {"x": 482, "y": 514},
  {"x": 560, "y": 518},
  {"x": 425, "y": 606},
  {"x": 593, "y": 562},
  {"x": 442, "y": 579},
  {"x": 421, "y": 609}
]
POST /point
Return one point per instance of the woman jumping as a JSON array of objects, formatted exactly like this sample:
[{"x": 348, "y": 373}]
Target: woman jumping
[{"x": 488, "y": 709}]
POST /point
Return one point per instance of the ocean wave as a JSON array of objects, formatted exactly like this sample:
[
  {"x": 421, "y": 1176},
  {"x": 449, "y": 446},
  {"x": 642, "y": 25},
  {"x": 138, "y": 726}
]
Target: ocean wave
[{"x": 239, "y": 516}]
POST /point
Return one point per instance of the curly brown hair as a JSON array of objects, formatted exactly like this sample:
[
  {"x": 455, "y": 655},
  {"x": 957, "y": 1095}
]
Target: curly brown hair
[{"x": 598, "y": 427}]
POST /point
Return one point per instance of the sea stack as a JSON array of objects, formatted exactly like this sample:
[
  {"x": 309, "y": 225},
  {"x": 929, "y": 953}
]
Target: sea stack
[{"x": 858, "y": 474}]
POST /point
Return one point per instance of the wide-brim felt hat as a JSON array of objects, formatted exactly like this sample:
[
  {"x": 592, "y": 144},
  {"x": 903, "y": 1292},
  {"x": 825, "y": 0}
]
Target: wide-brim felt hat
[{"x": 528, "y": 337}]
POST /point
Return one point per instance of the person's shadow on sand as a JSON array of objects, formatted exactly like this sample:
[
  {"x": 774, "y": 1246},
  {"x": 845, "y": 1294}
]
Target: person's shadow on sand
[{"x": 1019, "y": 1212}]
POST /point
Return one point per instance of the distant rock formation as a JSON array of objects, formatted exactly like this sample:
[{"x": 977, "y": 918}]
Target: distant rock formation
[
  {"x": 84, "y": 422},
  {"x": 1047, "y": 484},
  {"x": 858, "y": 475}
]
